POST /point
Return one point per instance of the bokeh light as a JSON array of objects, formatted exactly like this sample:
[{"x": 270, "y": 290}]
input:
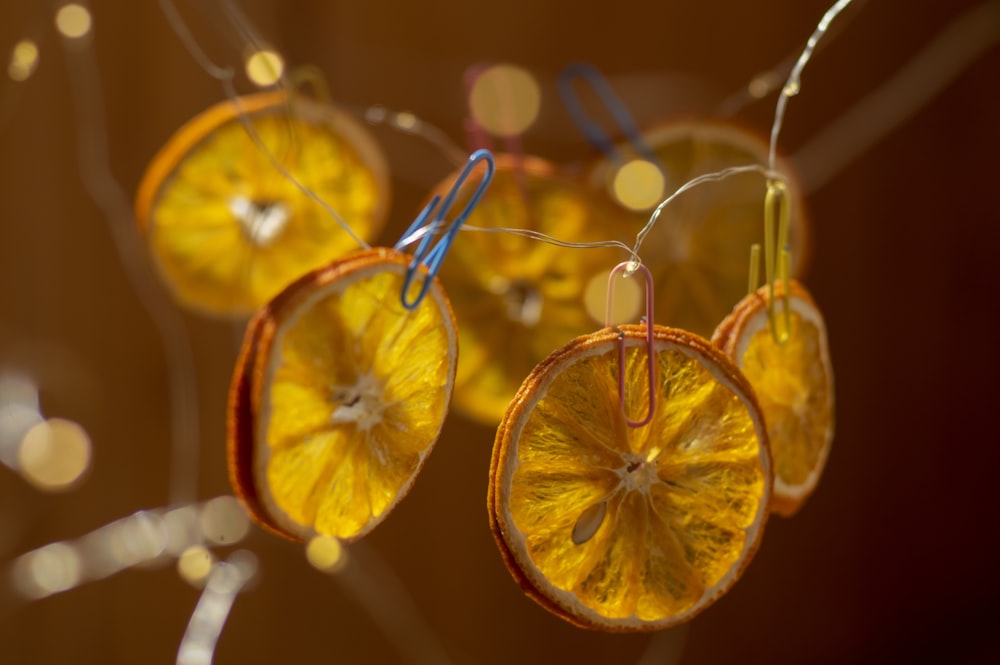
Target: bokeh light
[
  {"x": 137, "y": 539},
  {"x": 23, "y": 60},
  {"x": 19, "y": 412},
  {"x": 183, "y": 528},
  {"x": 51, "y": 569},
  {"x": 505, "y": 100},
  {"x": 224, "y": 521},
  {"x": 195, "y": 563},
  {"x": 638, "y": 185},
  {"x": 326, "y": 553},
  {"x": 628, "y": 299},
  {"x": 54, "y": 454},
  {"x": 73, "y": 21},
  {"x": 265, "y": 67}
]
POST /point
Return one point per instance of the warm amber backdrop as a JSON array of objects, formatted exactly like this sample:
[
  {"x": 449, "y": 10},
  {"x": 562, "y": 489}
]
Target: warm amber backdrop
[{"x": 892, "y": 561}]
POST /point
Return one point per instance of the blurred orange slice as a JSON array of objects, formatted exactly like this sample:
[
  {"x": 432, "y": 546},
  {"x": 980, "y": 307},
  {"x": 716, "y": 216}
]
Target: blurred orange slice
[
  {"x": 793, "y": 382},
  {"x": 699, "y": 248},
  {"x": 517, "y": 298},
  {"x": 228, "y": 229},
  {"x": 338, "y": 396},
  {"x": 624, "y": 528}
]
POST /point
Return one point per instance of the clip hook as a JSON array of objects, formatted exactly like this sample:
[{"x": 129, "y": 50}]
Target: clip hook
[
  {"x": 629, "y": 267},
  {"x": 431, "y": 258},
  {"x": 777, "y": 256},
  {"x": 596, "y": 136}
]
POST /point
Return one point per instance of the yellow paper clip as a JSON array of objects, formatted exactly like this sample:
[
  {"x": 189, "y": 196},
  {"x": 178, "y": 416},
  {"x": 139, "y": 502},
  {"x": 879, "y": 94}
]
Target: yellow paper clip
[
  {"x": 629, "y": 267},
  {"x": 311, "y": 78},
  {"x": 777, "y": 262}
]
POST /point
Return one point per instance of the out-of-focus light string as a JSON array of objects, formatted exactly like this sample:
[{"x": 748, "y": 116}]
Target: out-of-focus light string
[
  {"x": 109, "y": 195},
  {"x": 225, "y": 581},
  {"x": 371, "y": 582},
  {"x": 145, "y": 537}
]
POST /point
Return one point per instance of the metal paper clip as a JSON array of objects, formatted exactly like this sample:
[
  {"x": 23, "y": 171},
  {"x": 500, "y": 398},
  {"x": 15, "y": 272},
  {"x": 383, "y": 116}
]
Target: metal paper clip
[
  {"x": 596, "y": 136},
  {"x": 630, "y": 267},
  {"x": 430, "y": 257},
  {"x": 777, "y": 261}
]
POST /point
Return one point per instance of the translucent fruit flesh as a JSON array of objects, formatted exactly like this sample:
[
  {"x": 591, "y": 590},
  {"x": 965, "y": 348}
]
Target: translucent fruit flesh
[
  {"x": 347, "y": 395},
  {"x": 699, "y": 247},
  {"x": 228, "y": 229},
  {"x": 515, "y": 298},
  {"x": 623, "y": 528},
  {"x": 794, "y": 385}
]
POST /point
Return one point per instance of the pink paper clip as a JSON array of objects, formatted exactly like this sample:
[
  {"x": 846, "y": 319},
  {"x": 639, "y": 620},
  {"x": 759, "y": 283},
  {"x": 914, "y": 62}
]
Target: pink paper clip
[
  {"x": 478, "y": 138},
  {"x": 650, "y": 354}
]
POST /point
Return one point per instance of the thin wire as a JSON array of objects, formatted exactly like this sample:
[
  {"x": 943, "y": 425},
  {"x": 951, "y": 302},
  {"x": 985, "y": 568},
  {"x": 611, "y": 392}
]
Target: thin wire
[
  {"x": 109, "y": 196},
  {"x": 765, "y": 82},
  {"x": 794, "y": 84},
  {"x": 187, "y": 39},
  {"x": 694, "y": 182},
  {"x": 407, "y": 123},
  {"x": 534, "y": 235}
]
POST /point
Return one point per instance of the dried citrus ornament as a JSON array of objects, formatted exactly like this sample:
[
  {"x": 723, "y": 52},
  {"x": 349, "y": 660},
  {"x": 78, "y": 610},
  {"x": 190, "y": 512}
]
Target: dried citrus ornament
[
  {"x": 793, "y": 381},
  {"x": 338, "y": 396},
  {"x": 343, "y": 384},
  {"x": 226, "y": 212},
  {"x": 630, "y": 528},
  {"x": 515, "y": 298}
]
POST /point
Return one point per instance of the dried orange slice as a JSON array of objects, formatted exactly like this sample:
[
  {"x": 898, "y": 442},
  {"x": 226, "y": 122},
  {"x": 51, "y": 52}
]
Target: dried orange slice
[
  {"x": 516, "y": 298},
  {"x": 698, "y": 247},
  {"x": 228, "y": 229},
  {"x": 624, "y": 528},
  {"x": 338, "y": 396},
  {"x": 794, "y": 385}
]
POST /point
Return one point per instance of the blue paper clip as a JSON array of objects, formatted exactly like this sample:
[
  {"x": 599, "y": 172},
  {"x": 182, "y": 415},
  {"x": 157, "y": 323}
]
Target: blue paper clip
[
  {"x": 596, "y": 136},
  {"x": 431, "y": 257},
  {"x": 630, "y": 266}
]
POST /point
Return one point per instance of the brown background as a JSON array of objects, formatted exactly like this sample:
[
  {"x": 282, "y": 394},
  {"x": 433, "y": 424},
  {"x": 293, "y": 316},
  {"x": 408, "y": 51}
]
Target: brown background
[{"x": 892, "y": 561}]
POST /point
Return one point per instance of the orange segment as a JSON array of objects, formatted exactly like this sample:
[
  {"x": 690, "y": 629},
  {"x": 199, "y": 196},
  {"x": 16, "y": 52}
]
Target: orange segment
[
  {"x": 699, "y": 248},
  {"x": 630, "y": 528},
  {"x": 516, "y": 298},
  {"x": 794, "y": 384},
  {"x": 228, "y": 229},
  {"x": 339, "y": 396}
]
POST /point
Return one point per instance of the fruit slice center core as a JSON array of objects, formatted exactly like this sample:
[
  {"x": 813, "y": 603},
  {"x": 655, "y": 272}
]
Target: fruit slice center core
[
  {"x": 637, "y": 473},
  {"x": 522, "y": 300},
  {"x": 360, "y": 404},
  {"x": 261, "y": 221}
]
